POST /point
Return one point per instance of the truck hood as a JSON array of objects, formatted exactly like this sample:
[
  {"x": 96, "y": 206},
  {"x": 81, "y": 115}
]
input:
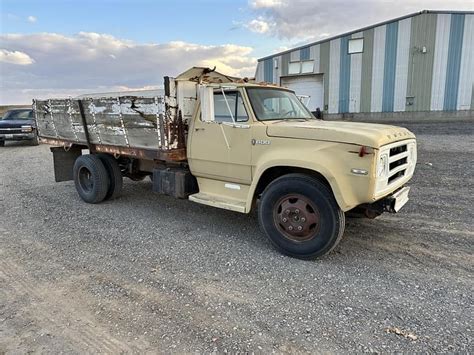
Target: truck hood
[{"x": 368, "y": 134}]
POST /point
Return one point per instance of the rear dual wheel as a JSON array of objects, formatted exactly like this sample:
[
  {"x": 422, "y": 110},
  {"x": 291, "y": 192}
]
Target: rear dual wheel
[
  {"x": 300, "y": 216},
  {"x": 97, "y": 177},
  {"x": 115, "y": 176}
]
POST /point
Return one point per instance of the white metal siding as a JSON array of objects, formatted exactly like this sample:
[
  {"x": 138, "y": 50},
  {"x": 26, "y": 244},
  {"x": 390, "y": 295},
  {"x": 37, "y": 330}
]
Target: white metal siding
[
  {"x": 259, "y": 72},
  {"x": 276, "y": 71},
  {"x": 403, "y": 60},
  {"x": 355, "y": 79},
  {"x": 378, "y": 68},
  {"x": 315, "y": 54},
  {"x": 310, "y": 85},
  {"x": 466, "y": 75},
  {"x": 443, "y": 25},
  {"x": 334, "y": 70}
]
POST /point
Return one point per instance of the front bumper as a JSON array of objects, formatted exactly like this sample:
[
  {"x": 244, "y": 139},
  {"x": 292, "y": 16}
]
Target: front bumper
[
  {"x": 394, "y": 202},
  {"x": 391, "y": 203},
  {"x": 16, "y": 136}
]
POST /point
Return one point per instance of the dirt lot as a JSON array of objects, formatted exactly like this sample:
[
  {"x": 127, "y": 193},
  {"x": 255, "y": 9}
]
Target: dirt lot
[{"x": 150, "y": 273}]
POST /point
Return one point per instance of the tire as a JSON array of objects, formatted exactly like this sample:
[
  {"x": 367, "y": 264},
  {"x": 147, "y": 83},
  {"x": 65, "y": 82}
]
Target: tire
[
  {"x": 2, "y": 143},
  {"x": 91, "y": 178},
  {"x": 115, "y": 176},
  {"x": 296, "y": 200},
  {"x": 35, "y": 141}
]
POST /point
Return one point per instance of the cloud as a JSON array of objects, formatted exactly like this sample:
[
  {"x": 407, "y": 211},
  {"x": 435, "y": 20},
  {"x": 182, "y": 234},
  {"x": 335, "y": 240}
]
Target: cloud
[
  {"x": 259, "y": 25},
  {"x": 15, "y": 57},
  {"x": 32, "y": 19},
  {"x": 92, "y": 62},
  {"x": 263, "y": 4},
  {"x": 313, "y": 19}
]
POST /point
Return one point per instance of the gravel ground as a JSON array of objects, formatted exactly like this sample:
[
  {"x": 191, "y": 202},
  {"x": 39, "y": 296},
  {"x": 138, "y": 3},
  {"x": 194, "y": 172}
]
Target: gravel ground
[{"x": 150, "y": 273}]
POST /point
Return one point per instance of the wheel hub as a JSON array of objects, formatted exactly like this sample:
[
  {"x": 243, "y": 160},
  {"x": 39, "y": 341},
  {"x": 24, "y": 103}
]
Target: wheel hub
[
  {"x": 296, "y": 217},
  {"x": 85, "y": 179}
]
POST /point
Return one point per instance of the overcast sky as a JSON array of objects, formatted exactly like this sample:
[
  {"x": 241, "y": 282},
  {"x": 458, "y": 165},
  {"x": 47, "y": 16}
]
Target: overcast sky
[{"x": 60, "y": 48}]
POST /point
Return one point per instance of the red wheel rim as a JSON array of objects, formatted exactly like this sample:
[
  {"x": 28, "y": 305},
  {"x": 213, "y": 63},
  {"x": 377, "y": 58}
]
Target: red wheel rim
[{"x": 296, "y": 217}]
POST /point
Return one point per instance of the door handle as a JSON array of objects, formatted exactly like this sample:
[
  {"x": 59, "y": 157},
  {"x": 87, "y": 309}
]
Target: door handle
[{"x": 199, "y": 129}]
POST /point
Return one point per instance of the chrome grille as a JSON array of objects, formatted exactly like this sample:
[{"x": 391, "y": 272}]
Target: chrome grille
[
  {"x": 400, "y": 165},
  {"x": 10, "y": 130},
  {"x": 398, "y": 162}
]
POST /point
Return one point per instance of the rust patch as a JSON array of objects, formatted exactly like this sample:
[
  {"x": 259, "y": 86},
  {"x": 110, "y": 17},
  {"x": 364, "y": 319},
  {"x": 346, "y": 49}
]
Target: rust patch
[{"x": 172, "y": 155}]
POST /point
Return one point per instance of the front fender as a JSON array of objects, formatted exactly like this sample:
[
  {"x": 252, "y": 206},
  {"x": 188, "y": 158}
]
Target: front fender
[{"x": 331, "y": 160}]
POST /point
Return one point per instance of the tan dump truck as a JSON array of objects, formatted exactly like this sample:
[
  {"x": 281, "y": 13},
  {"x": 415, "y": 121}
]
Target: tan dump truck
[{"x": 234, "y": 144}]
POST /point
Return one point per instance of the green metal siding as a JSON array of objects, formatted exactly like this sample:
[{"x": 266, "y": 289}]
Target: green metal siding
[
  {"x": 344, "y": 76},
  {"x": 472, "y": 98},
  {"x": 285, "y": 59},
  {"x": 366, "y": 84},
  {"x": 324, "y": 68},
  {"x": 423, "y": 33}
]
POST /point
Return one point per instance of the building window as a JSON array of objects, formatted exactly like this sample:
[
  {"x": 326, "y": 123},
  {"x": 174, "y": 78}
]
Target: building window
[
  {"x": 307, "y": 66},
  {"x": 304, "y": 53},
  {"x": 294, "y": 67},
  {"x": 303, "y": 67},
  {"x": 356, "y": 45}
]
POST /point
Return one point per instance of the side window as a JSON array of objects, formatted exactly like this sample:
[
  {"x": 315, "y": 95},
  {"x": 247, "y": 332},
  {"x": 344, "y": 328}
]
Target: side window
[
  {"x": 221, "y": 107},
  {"x": 229, "y": 107}
]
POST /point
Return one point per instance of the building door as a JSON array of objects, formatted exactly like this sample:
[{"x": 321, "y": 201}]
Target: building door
[{"x": 307, "y": 85}]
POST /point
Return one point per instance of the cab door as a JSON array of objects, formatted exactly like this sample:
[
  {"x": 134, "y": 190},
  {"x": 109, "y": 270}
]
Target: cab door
[{"x": 220, "y": 141}]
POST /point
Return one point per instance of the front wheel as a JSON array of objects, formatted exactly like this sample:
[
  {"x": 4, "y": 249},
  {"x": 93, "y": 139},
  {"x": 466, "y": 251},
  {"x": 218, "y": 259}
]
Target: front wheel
[{"x": 300, "y": 216}]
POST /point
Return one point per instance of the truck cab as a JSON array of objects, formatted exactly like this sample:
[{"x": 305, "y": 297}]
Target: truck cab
[{"x": 240, "y": 145}]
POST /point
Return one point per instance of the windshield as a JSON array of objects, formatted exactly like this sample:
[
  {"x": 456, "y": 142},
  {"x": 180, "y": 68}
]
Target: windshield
[
  {"x": 18, "y": 115},
  {"x": 274, "y": 104}
]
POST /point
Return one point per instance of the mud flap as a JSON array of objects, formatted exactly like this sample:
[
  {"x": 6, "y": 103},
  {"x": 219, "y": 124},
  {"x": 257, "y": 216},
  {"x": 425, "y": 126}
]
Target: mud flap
[{"x": 63, "y": 162}]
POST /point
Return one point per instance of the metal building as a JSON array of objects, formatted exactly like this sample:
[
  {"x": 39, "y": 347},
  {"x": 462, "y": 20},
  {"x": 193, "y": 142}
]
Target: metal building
[{"x": 416, "y": 63}]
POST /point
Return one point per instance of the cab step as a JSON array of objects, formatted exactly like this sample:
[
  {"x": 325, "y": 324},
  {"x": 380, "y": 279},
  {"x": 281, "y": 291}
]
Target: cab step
[{"x": 218, "y": 201}]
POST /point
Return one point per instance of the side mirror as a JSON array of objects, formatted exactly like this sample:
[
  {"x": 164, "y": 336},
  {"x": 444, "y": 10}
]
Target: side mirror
[{"x": 206, "y": 95}]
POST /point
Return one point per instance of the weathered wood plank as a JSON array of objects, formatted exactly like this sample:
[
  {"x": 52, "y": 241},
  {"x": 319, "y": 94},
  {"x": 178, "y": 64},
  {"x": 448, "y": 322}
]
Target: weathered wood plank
[{"x": 134, "y": 122}]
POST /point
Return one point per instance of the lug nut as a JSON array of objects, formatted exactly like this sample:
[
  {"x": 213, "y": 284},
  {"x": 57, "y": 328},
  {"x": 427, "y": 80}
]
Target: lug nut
[
  {"x": 300, "y": 228},
  {"x": 290, "y": 228},
  {"x": 303, "y": 219},
  {"x": 297, "y": 211},
  {"x": 285, "y": 219},
  {"x": 287, "y": 211}
]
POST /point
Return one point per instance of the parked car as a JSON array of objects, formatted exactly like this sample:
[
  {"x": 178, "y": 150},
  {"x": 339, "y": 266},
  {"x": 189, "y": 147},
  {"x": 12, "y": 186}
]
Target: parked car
[{"x": 18, "y": 125}]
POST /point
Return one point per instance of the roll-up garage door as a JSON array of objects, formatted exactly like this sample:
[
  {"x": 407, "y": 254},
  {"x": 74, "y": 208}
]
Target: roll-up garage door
[{"x": 307, "y": 85}]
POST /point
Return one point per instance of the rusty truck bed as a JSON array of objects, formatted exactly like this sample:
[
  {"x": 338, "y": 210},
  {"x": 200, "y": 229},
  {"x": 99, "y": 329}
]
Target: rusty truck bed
[{"x": 140, "y": 127}]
